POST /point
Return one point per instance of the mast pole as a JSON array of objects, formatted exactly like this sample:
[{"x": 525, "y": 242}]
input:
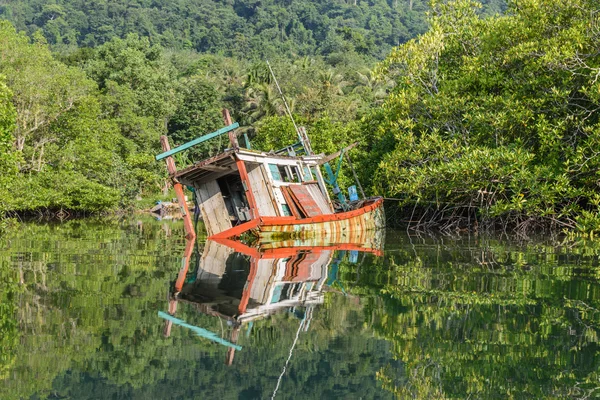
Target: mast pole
[
  {"x": 289, "y": 357},
  {"x": 190, "y": 232},
  {"x": 287, "y": 108}
]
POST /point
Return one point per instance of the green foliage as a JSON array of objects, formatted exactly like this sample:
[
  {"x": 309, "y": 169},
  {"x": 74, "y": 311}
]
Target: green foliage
[
  {"x": 8, "y": 158},
  {"x": 241, "y": 28},
  {"x": 77, "y": 148},
  {"x": 70, "y": 190},
  {"x": 139, "y": 87},
  {"x": 496, "y": 181},
  {"x": 499, "y": 111},
  {"x": 44, "y": 89},
  {"x": 198, "y": 113}
]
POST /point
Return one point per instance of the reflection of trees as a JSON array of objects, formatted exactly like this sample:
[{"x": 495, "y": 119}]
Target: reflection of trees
[
  {"x": 78, "y": 282},
  {"x": 88, "y": 327},
  {"x": 479, "y": 318},
  {"x": 488, "y": 320},
  {"x": 9, "y": 335}
]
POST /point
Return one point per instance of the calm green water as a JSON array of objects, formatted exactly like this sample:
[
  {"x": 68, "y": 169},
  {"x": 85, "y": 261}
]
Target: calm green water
[{"x": 432, "y": 318}]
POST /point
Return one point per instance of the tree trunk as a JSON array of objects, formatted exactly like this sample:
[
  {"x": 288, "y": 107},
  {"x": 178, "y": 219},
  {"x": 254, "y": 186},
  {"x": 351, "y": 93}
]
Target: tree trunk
[{"x": 20, "y": 143}]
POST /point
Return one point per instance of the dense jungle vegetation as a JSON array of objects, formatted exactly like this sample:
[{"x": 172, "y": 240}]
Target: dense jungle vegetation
[{"x": 480, "y": 113}]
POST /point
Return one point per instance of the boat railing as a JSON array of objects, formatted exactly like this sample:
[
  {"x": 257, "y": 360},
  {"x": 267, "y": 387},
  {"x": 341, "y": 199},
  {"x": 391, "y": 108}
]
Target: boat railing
[{"x": 293, "y": 150}]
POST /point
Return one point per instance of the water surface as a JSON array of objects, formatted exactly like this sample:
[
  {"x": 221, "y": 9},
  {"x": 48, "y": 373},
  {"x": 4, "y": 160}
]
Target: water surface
[{"x": 433, "y": 317}]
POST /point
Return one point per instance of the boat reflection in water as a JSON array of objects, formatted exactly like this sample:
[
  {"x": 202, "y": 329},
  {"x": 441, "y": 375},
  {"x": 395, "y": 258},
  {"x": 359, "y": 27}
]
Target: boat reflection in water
[{"x": 241, "y": 284}]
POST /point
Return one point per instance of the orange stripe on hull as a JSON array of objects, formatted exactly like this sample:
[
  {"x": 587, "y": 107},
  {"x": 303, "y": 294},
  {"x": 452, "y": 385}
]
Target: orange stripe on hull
[
  {"x": 284, "y": 251},
  {"x": 345, "y": 227},
  {"x": 236, "y": 230}
]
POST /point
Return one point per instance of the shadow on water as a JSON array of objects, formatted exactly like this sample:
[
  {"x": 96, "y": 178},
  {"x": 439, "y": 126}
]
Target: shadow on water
[{"x": 128, "y": 310}]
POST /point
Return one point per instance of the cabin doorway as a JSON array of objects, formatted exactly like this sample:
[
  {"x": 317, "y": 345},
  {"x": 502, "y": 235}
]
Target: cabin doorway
[{"x": 235, "y": 199}]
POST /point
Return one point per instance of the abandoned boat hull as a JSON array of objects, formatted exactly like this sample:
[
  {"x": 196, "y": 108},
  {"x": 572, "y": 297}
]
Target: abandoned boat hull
[{"x": 346, "y": 227}]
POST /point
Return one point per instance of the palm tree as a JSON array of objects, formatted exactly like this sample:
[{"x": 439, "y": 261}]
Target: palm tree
[
  {"x": 263, "y": 100},
  {"x": 332, "y": 82},
  {"x": 370, "y": 86}
]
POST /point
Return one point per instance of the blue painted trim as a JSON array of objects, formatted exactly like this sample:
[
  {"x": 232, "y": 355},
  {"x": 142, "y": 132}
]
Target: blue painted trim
[
  {"x": 199, "y": 331},
  {"x": 333, "y": 182},
  {"x": 197, "y": 141}
]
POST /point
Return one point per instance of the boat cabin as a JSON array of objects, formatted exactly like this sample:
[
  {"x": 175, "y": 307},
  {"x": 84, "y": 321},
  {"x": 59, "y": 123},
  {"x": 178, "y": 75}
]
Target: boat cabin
[{"x": 239, "y": 185}]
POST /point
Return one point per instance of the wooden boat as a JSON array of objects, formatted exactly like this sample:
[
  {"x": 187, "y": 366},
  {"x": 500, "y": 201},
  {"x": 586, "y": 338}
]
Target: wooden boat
[{"x": 272, "y": 195}]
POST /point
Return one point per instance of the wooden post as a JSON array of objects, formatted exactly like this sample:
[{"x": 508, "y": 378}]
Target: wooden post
[
  {"x": 247, "y": 288},
  {"x": 190, "y": 232},
  {"x": 169, "y": 324},
  {"x": 231, "y": 351},
  {"x": 232, "y": 136},
  {"x": 242, "y": 169},
  {"x": 185, "y": 265},
  {"x": 355, "y": 176}
]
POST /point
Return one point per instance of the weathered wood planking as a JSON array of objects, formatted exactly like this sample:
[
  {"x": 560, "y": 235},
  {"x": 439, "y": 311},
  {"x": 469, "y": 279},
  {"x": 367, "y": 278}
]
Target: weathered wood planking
[
  {"x": 355, "y": 228},
  {"x": 291, "y": 202},
  {"x": 262, "y": 288},
  {"x": 214, "y": 261},
  {"x": 213, "y": 208},
  {"x": 261, "y": 191},
  {"x": 320, "y": 199},
  {"x": 305, "y": 200},
  {"x": 279, "y": 199},
  {"x": 271, "y": 193}
]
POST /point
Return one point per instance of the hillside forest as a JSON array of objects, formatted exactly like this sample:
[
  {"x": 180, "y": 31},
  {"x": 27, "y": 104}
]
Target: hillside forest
[{"x": 466, "y": 113}]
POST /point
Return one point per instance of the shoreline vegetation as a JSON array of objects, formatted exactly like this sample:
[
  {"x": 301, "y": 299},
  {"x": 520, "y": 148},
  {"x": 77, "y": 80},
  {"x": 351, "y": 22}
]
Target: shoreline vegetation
[{"x": 472, "y": 117}]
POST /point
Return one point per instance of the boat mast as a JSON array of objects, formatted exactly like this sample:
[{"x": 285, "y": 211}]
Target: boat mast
[
  {"x": 289, "y": 357},
  {"x": 301, "y": 132}
]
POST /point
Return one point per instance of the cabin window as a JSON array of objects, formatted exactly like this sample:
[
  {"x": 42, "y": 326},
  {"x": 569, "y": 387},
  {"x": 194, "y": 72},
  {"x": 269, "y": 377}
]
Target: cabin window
[
  {"x": 295, "y": 174},
  {"x": 280, "y": 173},
  {"x": 307, "y": 175},
  {"x": 275, "y": 172},
  {"x": 285, "y": 173},
  {"x": 286, "y": 210}
]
